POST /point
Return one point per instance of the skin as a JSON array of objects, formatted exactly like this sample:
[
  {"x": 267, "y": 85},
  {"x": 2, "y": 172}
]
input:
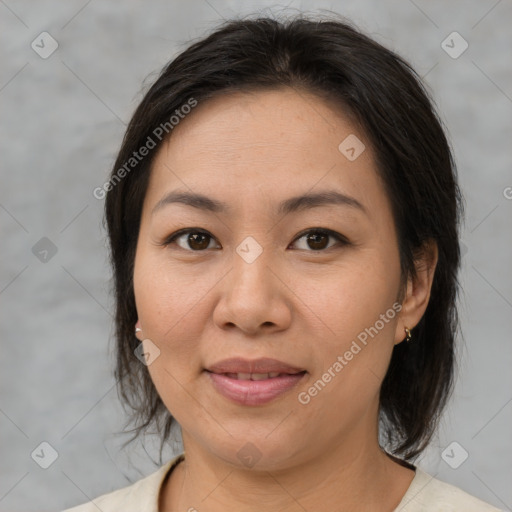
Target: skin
[{"x": 293, "y": 303}]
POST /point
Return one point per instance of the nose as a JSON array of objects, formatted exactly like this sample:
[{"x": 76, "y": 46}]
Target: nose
[{"x": 254, "y": 298}]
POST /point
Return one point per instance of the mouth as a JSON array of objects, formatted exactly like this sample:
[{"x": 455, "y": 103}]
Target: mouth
[
  {"x": 253, "y": 382},
  {"x": 261, "y": 366},
  {"x": 257, "y": 376}
]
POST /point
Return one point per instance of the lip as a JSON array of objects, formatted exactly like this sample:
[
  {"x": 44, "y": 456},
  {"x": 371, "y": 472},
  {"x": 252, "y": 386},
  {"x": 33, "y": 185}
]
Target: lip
[
  {"x": 261, "y": 365},
  {"x": 254, "y": 392}
]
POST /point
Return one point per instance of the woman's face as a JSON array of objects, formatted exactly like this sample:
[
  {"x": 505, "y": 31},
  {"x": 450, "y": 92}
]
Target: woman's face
[{"x": 265, "y": 276}]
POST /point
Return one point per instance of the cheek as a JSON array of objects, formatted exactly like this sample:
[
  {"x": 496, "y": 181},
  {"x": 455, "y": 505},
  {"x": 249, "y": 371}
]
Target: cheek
[
  {"x": 355, "y": 312},
  {"x": 171, "y": 305},
  {"x": 163, "y": 295},
  {"x": 168, "y": 306},
  {"x": 347, "y": 298}
]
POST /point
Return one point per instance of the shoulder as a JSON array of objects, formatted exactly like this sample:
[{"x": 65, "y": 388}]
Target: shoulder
[
  {"x": 428, "y": 494},
  {"x": 141, "y": 495}
]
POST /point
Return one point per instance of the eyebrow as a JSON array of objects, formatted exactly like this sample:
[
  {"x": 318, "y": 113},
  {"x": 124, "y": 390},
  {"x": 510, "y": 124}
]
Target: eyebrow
[{"x": 293, "y": 204}]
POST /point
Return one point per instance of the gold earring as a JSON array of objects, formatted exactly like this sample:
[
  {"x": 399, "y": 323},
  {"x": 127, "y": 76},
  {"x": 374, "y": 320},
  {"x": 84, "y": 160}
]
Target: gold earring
[{"x": 408, "y": 334}]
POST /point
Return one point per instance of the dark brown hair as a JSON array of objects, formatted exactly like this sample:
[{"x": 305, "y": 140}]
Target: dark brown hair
[{"x": 335, "y": 61}]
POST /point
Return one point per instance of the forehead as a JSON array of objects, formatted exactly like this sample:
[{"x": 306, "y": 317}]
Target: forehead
[
  {"x": 266, "y": 144},
  {"x": 286, "y": 123}
]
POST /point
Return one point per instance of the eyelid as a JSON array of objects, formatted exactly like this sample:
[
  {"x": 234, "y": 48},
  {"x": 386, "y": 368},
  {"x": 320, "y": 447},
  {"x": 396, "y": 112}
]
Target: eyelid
[{"x": 338, "y": 236}]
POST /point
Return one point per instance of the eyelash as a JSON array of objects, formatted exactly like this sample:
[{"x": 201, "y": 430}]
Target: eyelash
[{"x": 322, "y": 231}]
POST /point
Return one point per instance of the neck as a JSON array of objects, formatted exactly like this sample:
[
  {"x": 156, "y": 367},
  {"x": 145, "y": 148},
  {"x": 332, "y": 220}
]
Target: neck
[{"x": 346, "y": 478}]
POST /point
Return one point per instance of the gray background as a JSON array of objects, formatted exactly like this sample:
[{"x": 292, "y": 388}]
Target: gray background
[{"x": 62, "y": 121}]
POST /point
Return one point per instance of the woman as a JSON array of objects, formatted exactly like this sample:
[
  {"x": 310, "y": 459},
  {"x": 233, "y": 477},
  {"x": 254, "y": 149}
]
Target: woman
[{"x": 283, "y": 219}]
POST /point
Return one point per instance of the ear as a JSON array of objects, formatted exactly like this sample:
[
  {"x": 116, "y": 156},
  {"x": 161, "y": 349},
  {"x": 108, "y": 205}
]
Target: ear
[{"x": 417, "y": 295}]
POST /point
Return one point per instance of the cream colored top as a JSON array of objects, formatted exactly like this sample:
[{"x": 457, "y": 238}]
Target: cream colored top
[{"x": 425, "y": 494}]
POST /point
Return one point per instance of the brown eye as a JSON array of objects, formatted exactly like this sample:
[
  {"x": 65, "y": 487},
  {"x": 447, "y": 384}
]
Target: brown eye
[
  {"x": 191, "y": 240},
  {"x": 198, "y": 241},
  {"x": 318, "y": 239}
]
